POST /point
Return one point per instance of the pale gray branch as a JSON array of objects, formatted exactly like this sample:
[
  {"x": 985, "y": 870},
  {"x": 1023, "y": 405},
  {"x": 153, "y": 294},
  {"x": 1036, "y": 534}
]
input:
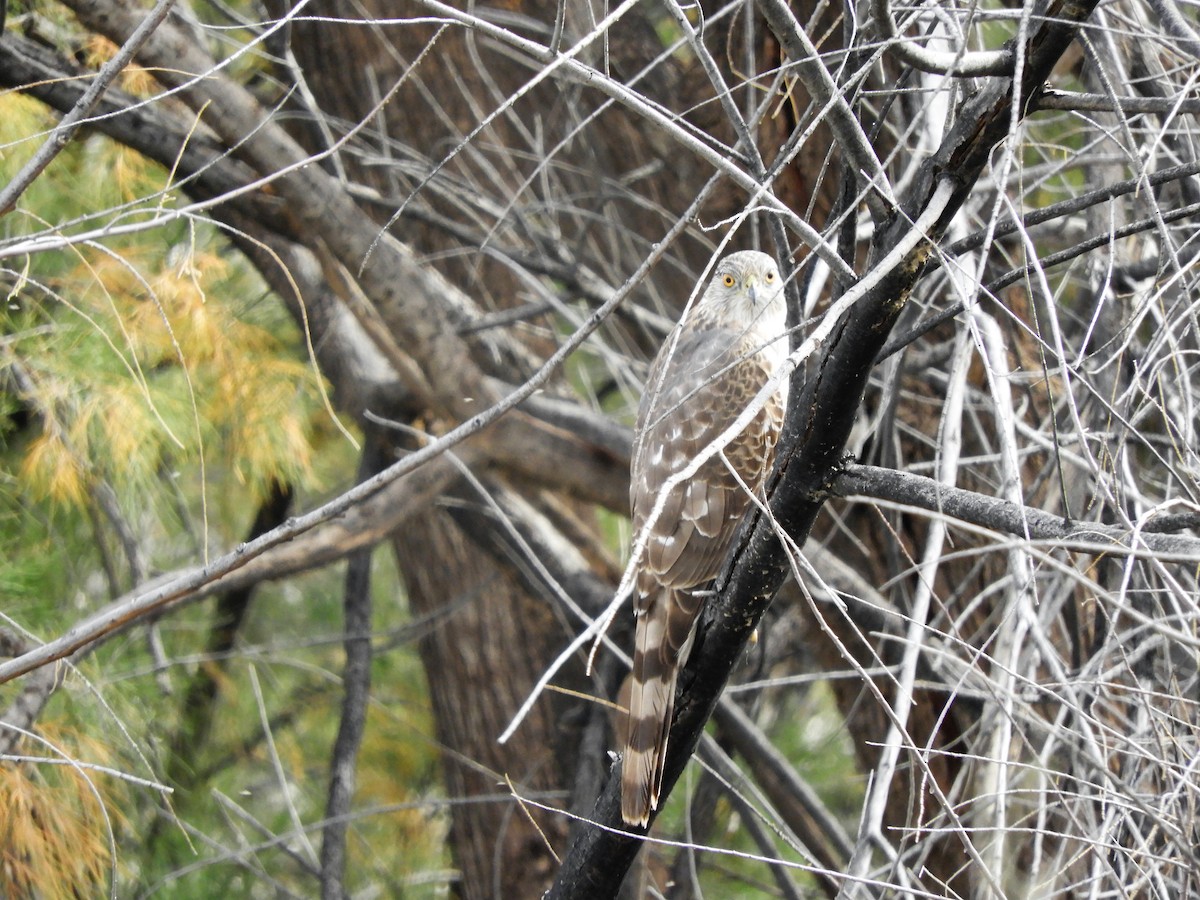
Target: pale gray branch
[
  {"x": 964, "y": 64},
  {"x": 1004, "y": 516}
]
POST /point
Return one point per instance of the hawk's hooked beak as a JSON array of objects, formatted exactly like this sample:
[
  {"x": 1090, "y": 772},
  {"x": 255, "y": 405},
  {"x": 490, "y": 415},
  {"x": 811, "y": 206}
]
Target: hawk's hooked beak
[{"x": 752, "y": 290}]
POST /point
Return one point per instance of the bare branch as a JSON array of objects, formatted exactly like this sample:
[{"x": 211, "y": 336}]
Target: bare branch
[
  {"x": 360, "y": 517},
  {"x": 1001, "y": 515},
  {"x": 1072, "y": 101},
  {"x": 962, "y": 64}
]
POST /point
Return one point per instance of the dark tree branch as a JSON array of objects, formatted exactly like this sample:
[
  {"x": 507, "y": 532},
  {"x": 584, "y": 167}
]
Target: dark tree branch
[
  {"x": 200, "y": 699},
  {"x": 25, "y": 708},
  {"x": 1071, "y": 101},
  {"x": 1150, "y": 223},
  {"x": 356, "y": 683},
  {"x": 821, "y": 415}
]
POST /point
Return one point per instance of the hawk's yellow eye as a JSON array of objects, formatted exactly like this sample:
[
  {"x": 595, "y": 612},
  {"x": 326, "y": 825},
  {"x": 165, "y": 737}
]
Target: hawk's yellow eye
[
  {"x": 770, "y": 277},
  {"x": 728, "y": 280}
]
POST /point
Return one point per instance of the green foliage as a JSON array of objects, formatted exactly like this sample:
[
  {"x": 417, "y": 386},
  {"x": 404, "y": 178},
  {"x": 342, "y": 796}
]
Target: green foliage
[
  {"x": 265, "y": 760},
  {"x": 811, "y": 733},
  {"x": 146, "y": 375},
  {"x": 150, "y": 351}
]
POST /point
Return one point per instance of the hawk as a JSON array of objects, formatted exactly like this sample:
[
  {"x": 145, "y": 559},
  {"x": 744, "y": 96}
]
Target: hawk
[{"x": 716, "y": 360}]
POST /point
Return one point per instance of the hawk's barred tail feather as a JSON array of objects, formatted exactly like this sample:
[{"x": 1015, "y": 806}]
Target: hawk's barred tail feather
[
  {"x": 663, "y": 640},
  {"x": 650, "y": 707}
]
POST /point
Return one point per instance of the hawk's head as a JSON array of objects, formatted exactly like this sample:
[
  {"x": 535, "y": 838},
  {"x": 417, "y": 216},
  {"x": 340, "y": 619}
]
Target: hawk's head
[{"x": 747, "y": 289}]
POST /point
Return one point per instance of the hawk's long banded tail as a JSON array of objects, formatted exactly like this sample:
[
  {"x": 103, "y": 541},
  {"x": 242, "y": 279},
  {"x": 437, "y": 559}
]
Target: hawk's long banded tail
[{"x": 664, "y": 636}]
